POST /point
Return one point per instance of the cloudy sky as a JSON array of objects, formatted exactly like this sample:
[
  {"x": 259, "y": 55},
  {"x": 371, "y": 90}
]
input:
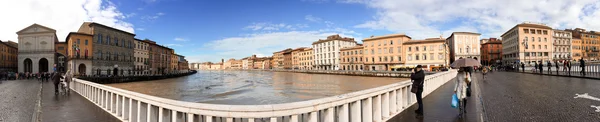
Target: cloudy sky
[{"x": 208, "y": 30}]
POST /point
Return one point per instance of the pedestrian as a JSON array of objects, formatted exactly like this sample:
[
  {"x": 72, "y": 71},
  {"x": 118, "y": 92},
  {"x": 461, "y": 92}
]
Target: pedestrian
[
  {"x": 549, "y": 67},
  {"x": 582, "y": 65},
  {"x": 569, "y": 66},
  {"x": 68, "y": 78},
  {"x": 564, "y": 65},
  {"x": 541, "y": 67},
  {"x": 56, "y": 80},
  {"x": 523, "y": 66},
  {"x": 556, "y": 65},
  {"x": 418, "y": 77},
  {"x": 460, "y": 89},
  {"x": 535, "y": 67}
]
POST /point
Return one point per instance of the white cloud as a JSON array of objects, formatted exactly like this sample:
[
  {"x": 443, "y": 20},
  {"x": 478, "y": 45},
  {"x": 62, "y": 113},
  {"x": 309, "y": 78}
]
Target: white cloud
[
  {"x": 63, "y": 16},
  {"x": 180, "y": 39},
  {"x": 173, "y": 45},
  {"x": 267, "y": 26},
  {"x": 261, "y": 43},
  {"x": 425, "y": 18},
  {"x": 152, "y": 17},
  {"x": 312, "y": 18}
]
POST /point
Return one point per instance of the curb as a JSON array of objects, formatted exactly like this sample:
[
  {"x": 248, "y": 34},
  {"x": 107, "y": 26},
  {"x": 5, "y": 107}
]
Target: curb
[
  {"x": 38, "y": 111},
  {"x": 593, "y": 78}
]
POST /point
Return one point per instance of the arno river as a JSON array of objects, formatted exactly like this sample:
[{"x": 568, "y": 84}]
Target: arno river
[{"x": 254, "y": 87}]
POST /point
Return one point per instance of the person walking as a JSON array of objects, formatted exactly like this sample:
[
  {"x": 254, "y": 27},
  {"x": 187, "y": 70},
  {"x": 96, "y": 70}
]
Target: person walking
[
  {"x": 569, "y": 65},
  {"x": 56, "y": 80},
  {"x": 418, "y": 77},
  {"x": 549, "y": 67},
  {"x": 68, "y": 78},
  {"x": 564, "y": 65},
  {"x": 556, "y": 65},
  {"x": 541, "y": 67},
  {"x": 522, "y": 66},
  {"x": 535, "y": 67},
  {"x": 460, "y": 89},
  {"x": 582, "y": 65}
]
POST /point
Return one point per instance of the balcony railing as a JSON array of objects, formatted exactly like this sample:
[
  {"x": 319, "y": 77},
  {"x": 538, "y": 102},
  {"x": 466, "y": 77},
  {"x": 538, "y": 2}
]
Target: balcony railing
[{"x": 375, "y": 104}]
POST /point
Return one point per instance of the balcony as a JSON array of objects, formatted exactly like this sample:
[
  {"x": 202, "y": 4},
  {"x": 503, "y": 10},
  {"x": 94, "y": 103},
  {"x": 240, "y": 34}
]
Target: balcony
[{"x": 80, "y": 57}]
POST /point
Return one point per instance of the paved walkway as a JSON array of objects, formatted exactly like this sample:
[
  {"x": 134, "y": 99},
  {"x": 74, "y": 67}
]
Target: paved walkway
[
  {"x": 437, "y": 106},
  {"x": 70, "y": 108},
  {"x": 520, "y": 97},
  {"x": 18, "y": 99}
]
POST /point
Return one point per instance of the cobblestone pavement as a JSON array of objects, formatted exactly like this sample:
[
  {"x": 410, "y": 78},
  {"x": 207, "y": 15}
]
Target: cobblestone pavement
[
  {"x": 437, "y": 107},
  {"x": 70, "y": 108},
  {"x": 18, "y": 99},
  {"x": 519, "y": 97}
]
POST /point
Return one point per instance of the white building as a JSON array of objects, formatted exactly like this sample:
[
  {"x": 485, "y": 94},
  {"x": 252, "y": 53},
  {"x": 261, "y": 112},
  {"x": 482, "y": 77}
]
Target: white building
[
  {"x": 245, "y": 63},
  {"x": 327, "y": 51},
  {"x": 562, "y": 45},
  {"x": 36, "y": 49},
  {"x": 464, "y": 45}
]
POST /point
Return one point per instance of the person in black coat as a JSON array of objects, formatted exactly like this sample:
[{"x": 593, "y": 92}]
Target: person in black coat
[
  {"x": 56, "y": 80},
  {"x": 582, "y": 65},
  {"x": 549, "y": 67},
  {"x": 523, "y": 66},
  {"x": 541, "y": 67},
  {"x": 418, "y": 77}
]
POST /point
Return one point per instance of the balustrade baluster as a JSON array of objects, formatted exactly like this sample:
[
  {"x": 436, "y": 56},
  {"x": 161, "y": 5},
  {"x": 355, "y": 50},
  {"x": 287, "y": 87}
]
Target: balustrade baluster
[
  {"x": 294, "y": 118},
  {"x": 343, "y": 117},
  {"x": 329, "y": 116},
  {"x": 377, "y": 109},
  {"x": 313, "y": 116},
  {"x": 190, "y": 117},
  {"x": 356, "y": 111},
  {"x": 385, "y": 112},
  {"x": 393, "y": 103},
  {"x": 367, "y": 111}
]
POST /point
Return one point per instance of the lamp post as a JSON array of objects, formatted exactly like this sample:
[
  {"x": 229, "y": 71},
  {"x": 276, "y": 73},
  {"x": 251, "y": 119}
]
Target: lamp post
[
  {"x": 75, "y": 49},
  {"x": 524, "y": 43}
]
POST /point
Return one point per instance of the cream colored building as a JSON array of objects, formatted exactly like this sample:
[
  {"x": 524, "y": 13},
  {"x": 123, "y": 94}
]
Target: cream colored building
[
  {"x": 36, "y": 49},
  {"x": 352, "y": 58},
  {"x": 141, "y": 56},
  {"x": 430, "y": 53},
  {"x": 527, "y": 42},
  {"x": 327, "y": 51},
  {"x": 306, "y": 59},
  {"x": 562, "y": 45},
  {"x": 382, "y": 53},
  {"x": 464, "y": 45}
]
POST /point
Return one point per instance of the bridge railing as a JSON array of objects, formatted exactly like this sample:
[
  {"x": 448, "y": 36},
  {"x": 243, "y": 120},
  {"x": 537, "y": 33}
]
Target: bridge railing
[{"x": 375, "y": 104}]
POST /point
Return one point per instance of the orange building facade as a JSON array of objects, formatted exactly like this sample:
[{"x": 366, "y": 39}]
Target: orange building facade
[
  {"x": 352, "y": 58},
  {"x": 79, "y": 60},
  {"x": 9, "y": 56},
  {"x": 491, "y": 51}
]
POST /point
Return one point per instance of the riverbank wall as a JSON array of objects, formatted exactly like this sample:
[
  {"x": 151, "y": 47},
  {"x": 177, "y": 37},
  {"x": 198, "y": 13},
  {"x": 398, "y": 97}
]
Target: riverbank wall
[
  {"x": 396, "y": 74},
  {"x": 123, "y": 79}
]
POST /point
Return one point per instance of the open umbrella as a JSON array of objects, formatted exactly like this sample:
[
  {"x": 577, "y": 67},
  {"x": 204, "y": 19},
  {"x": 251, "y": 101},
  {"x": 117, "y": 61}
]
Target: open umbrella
[{"x": 466, "y": 62}]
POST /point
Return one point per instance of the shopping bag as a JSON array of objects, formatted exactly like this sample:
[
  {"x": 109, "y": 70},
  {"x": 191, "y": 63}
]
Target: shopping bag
[{"x": 454, "y": 101}]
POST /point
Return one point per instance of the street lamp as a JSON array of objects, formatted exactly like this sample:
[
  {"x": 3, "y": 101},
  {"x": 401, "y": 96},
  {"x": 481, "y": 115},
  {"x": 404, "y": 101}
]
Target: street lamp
[{"x": 525, "y": 46}]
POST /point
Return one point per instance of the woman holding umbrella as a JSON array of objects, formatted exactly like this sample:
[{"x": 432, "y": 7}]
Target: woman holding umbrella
[{"x": 462, "y": 87}]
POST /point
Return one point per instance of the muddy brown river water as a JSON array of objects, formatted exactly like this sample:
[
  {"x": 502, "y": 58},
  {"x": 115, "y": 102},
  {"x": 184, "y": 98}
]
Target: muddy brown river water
[{"x": 254, "y": 87}]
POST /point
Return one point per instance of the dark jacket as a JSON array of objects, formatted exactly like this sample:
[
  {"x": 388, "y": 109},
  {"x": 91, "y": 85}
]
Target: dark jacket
[
  {"x": 418, "y": 79},
  {"x": 581, "y": 63},
  {"x": 56, "y": 78}
]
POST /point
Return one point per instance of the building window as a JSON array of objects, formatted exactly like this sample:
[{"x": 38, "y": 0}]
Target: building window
[
  {"x": 391, "y": 50},
  {"x": 526, "y": 30},
  {"x": 424, "y": 56},
  {"x": 417, "y": 48},
  {"x": 409, "y": 49},
  {"x": 78, "y": 41},
  {"x": 409, "y": 57},
  {"x": 86, "y": 42},
  {"x": 441, "y": 47},
  {"x": 416, "y": 56}
]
